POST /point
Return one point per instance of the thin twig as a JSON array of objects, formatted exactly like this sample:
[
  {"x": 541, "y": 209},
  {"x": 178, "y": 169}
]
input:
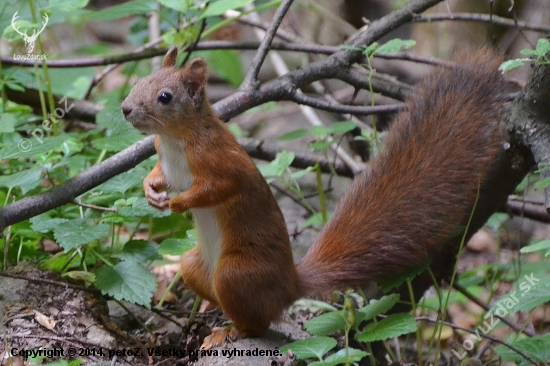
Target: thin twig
[
  {"x": 94, "y": 207},
  {"x": 477, "y": 333},
  {"x": 340, "y": 108},
  {"x": 485, "y": 18},
  {"x": 251, "y": 79},
  {"x": 475, "y": 300}
]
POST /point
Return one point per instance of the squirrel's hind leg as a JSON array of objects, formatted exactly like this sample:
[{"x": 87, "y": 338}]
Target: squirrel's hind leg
[{"x": 196, "y": 275}]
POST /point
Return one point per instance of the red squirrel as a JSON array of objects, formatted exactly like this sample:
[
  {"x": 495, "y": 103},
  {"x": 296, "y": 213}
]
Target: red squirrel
[{"x": 411, "y": 200}]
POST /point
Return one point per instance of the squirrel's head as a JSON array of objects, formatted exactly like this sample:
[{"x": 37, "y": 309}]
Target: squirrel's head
[{"x": 169, "y": 97}]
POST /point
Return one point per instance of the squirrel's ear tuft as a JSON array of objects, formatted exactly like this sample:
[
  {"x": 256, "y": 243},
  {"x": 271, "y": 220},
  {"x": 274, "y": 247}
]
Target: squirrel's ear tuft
[
  {"x": 170, "y": 58},
  {"x": 194, "y": 78}
]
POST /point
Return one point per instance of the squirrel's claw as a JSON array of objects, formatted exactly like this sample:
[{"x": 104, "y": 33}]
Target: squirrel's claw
[{"x": 219, "y": 337}]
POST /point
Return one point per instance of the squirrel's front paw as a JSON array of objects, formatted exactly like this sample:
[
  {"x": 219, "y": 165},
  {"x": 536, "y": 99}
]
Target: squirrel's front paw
[{"x": 158, "y": 200}]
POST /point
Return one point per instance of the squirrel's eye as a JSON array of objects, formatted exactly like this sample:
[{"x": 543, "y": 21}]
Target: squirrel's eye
[{"x": 164, "y": 97}]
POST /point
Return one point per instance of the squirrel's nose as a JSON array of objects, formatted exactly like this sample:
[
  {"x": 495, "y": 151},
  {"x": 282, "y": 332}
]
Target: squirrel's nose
[{"x": 126, "y": 110}]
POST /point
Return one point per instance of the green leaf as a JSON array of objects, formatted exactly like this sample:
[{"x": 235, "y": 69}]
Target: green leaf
[
  {"x": 496, "y": 220},
  {"x": 319, "y": 131},
  {"x": 343, "y": 357},
  {"x": 389, "y": 327},
  {"x": 511, "y": 64},
  {"x": 227, "y": 65},
  {"x": 67, "y": 5},
  {"x": 179, "y": 5},
  {"x": 139, "y": 251},
  {"x": 174, "y": 246},
  {"x": 221, "y": 6},
  {"x": 80, "y": 276},
  {"x": 61, "y": 261},
  {"x": 124, "y": 136},
  {"x": 310, "y": 348},
  {"x": 294, "y": 135},
  {"x": 141, "y": 208},
  {"x": 123, "y": 10},
  {"x": 543, "y": 47},
  {"x": 338, "y": 128},
  {"x": 321, "y": 145},
  {"x": 278, "y": 166},
  {"x": 7, "y": 122},
  {"x": 44, "y": 224},
  {"x": 127, "y": 281},
  {"x": 543, "y": 183},
  {"x": 125, "y": 181},
  {"x": 326, "y": 324},
  {"x": 395, "y": 45},
  {"x": 540, "y": 246},
  {"x": 314, "y": 221},
  {"x": 535, "y": 347},
  {"x": 300, "y": 173},
  {"x": 27, "y": 179},
  {"x": 377, "y": 307},
  {"x": 533, "y": 290},
  {"x": 27, "y": 147},
  {"x": 73, "y": 233}
]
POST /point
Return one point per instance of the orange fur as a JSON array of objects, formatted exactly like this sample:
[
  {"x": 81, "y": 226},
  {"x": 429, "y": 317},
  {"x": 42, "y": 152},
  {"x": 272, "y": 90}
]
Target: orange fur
[{"x": 415, "y": 198}]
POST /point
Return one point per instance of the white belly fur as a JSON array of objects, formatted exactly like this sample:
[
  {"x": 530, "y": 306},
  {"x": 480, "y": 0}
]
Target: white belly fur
[{"x": 175, "y": 168}]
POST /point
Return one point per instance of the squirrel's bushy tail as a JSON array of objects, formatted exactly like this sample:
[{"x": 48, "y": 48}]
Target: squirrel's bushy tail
[{"x": 417, "y": 195}]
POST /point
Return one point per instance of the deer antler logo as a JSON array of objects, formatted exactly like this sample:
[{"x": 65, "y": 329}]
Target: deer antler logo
[{"x": 29, "y": 40}]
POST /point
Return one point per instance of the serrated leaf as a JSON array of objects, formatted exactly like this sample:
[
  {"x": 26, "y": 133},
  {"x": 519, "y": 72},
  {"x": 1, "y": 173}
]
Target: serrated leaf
[
  {"x": 175, "y": 246},
  {"x": 123, "y": 137},
  {"x": 377, "y": 307},
  {"x": 390, "y": 327},
  {"x": 44, "y": 224},
  {"x": 26, "y": 179},
  {"x": 221, "y": 6},
  {"x": 141, "y": 208},
  {"x": 139, "y": 251},
  {"x": 293, "y": 135},
  {"x": 127, "y": 281},
  {"x": 125, "y": 181},
  {"x": 535, "y": 347},
  {"x": 28, "y": 147},
  {"x": 123, "y": 10},
  {"x": 74, "y": 233},
  {"x": 533, "y": 290},
  {"x": 326, "y": 324},
  {"x": 310, "y": 348}
]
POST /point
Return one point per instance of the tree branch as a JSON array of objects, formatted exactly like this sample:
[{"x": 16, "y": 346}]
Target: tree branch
[
  {"x": 227, "y": 108},
  {"x": 251, "y": 79}
]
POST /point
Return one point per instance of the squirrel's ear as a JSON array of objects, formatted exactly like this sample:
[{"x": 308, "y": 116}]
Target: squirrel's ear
[
  {"x": 170, "y": 58},
  {"x": 194, "y": 78}
]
